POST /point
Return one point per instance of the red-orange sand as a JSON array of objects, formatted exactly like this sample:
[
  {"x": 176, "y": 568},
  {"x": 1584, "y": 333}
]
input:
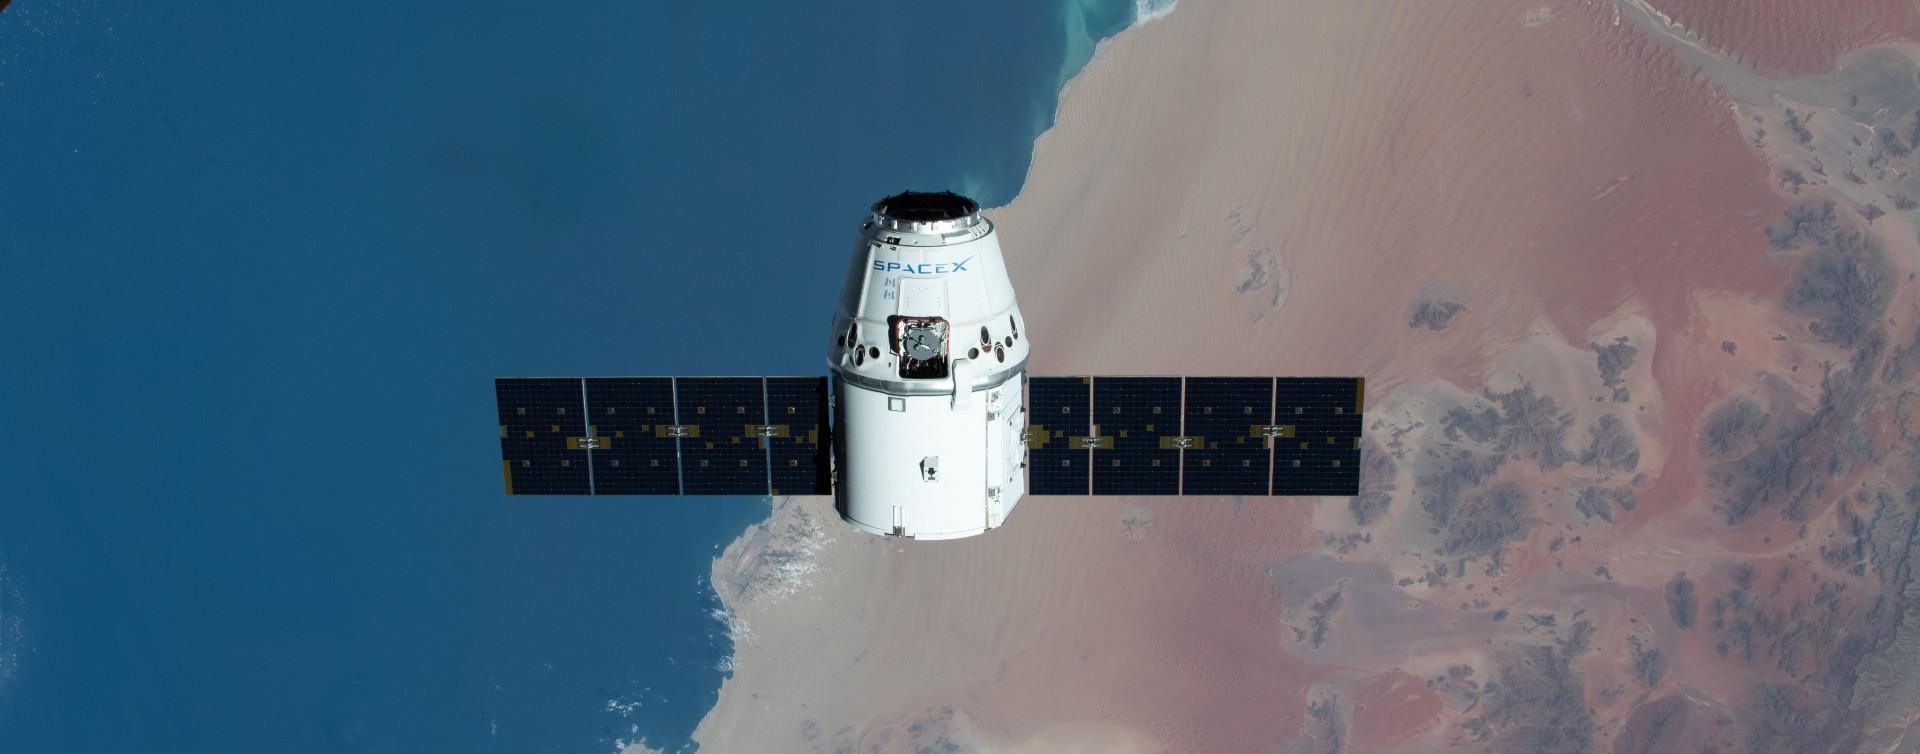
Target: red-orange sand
[
  {"x": 1796, "y": 37},
  {"x": 1570, "y": 174}
]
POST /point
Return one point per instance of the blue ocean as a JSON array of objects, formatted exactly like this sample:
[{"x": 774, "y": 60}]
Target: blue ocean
[{"x": 259, "y": 263}]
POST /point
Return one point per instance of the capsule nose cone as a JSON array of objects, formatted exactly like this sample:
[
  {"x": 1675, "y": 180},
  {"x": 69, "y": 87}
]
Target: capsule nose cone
[{"x": 926, "y": 207}]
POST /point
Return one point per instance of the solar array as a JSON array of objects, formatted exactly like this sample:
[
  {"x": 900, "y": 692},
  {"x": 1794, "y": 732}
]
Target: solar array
[
  {"x": 1194, "y": 435},
  {"x": 664, "y": 435},
  {"x": 1159, "y": 436}
]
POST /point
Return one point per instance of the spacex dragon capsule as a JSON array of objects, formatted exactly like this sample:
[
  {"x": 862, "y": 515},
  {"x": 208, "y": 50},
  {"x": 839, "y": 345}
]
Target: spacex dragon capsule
[
  {"x": 929, "y": 365},
  {"x": 930, "y": 426}
]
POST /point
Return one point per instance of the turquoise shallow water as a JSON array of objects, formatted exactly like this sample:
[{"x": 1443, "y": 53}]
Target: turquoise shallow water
[{"x": 259, "y": 263}]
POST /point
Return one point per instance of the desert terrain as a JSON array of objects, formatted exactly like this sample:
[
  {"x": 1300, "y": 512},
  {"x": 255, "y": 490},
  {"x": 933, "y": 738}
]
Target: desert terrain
[{"x": 1633, "y": 290}]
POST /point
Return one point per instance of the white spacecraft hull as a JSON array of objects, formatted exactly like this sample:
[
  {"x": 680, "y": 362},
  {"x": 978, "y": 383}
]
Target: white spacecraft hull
[
  {"x": 977, "y": 479},
  {"x": 929, "y": 364}
]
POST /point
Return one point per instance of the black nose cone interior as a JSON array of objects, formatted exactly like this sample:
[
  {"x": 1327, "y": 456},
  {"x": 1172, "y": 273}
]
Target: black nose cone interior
[{"x": 923, "y": 207}]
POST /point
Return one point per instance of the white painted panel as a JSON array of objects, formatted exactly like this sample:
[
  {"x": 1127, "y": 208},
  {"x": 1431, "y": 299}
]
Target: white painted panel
[
  {"x": 923, "y": 297},
  {"x": 884, "y": 451}
]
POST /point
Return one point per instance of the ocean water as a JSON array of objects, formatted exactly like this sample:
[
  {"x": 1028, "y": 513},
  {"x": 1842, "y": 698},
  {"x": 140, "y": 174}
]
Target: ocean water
[{"x": 259, "y": 263}]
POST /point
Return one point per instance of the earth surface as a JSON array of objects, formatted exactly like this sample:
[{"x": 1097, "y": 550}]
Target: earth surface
[{"x": 1632, "y": 285}]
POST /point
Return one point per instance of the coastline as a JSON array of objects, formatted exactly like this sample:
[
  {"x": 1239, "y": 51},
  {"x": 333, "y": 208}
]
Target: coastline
[
  {"x": 782, "y": 556},
  {"x": 1236, "y": 189}
]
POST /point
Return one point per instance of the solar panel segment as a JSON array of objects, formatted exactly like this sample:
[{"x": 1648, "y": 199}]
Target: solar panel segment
[
  {"x": 798, "y": 445},
  {"x": 722, "y": 454},
  {"x": 664, "y": 435},
  {"x": 1254, "y": 436},
  {"x": 541, "y": 422},
  {"x": 1321, "y": 456},
  {"x": 1138, "y": 416},
  {"x": 1229, "y": 457},
  {"x": 635, "y": 453},
  {"x": 1059, "y": 409}
]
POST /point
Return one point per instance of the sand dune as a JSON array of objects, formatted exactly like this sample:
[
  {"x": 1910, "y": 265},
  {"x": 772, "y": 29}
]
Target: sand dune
[
  {"x": 1637, "y": 318},
  {"x": 1791, "y": 36}
]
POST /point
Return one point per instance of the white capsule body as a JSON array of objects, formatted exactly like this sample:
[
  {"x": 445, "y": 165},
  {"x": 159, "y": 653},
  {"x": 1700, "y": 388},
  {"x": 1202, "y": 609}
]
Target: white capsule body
[{"x": 929, "y": 358}]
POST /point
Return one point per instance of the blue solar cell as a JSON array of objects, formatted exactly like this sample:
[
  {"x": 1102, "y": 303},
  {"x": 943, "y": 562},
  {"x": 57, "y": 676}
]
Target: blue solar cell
[
  {"x": 1058, "y": 410},
  {"x": 1323, "y": 455},
  {"x": 636, "y": 455},
  {"x": 538, "y": 418},
  {"x": 800, "y": 448},
  {"x": 1135, "y": 415},
  {"x": 1230, "y": 458},
  {"x": 723, "y": 454}
]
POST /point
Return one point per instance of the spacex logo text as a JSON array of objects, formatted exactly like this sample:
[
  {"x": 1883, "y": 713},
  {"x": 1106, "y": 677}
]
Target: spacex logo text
[{"x": 924, "y": 268}]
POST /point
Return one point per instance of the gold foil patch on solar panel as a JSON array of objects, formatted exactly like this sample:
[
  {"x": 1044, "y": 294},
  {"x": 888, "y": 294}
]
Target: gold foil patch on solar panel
[{"x": 1036, "y": 436}]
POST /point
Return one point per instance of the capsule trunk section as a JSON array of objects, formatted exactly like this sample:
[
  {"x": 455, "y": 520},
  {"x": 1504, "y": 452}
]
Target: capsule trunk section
[{"x": 929, "y": 361}]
